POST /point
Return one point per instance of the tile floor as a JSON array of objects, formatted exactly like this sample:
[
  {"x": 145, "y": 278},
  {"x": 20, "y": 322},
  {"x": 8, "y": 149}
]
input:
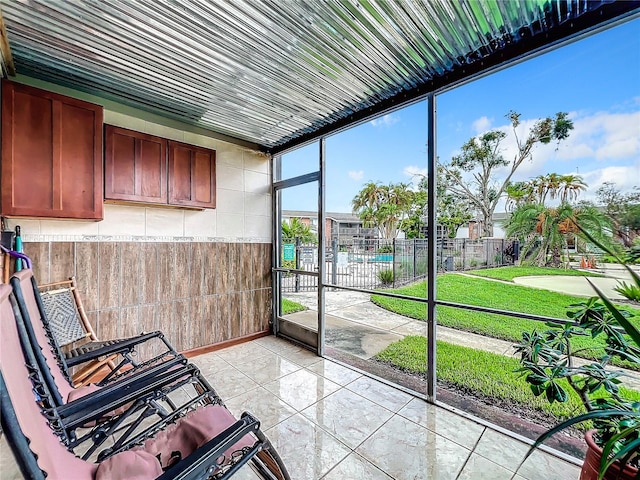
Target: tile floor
[{"x": 331, "y": 423}]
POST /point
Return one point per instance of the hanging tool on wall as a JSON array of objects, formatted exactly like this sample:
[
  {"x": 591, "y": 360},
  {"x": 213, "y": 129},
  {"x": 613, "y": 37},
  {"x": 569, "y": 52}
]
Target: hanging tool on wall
[
  {"x": 18, "y": 248},
  {"x": 6, "y": 240}
]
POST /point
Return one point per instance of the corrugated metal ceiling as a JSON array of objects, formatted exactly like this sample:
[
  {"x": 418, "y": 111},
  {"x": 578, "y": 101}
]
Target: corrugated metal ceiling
[{"x": 277, "y": 72}]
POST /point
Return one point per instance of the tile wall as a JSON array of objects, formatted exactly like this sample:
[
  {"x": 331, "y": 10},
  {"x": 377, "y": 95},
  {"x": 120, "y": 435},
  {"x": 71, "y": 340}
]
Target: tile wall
[
  {"x": 197, "y": 293},
  {"x": 202, "y": 277}
]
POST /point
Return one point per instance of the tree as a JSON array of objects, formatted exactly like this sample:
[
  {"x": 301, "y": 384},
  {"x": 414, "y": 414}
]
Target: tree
[
  {"x": 296, "y": 229},
  {"x": 543, "y": 230},
  {"x": 451, "y": 211},
  {"x": 482, "y": 156},
  {"x": 623, "y": 209},
  {"x": 552, "y": 185},
  {"x": 383, "y": 206}
]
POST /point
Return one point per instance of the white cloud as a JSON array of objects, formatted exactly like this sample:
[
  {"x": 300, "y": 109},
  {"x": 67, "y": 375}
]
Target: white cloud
[
  {"x": 626, "y": 178},
  {"x": 356, "y": 174},
  {"x": 481, "y": 125},
  {"x": 386, "y": 120},
  {"x": 602, "y": 138}
]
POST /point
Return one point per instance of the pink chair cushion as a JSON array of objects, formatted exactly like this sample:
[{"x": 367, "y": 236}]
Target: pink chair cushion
[
  {"x": 178, "y": 441},
  {"x": 132, "y": 465}
]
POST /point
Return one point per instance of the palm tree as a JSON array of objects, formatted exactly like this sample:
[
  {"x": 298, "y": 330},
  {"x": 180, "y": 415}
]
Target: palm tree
[
  {"x": 383, "y": 206},
  {"x": 296, "y": 229},
  {"x": 570, "y": 187},
  {"x": 544, "y": 230},
  {"x": 519, "y": 193}
]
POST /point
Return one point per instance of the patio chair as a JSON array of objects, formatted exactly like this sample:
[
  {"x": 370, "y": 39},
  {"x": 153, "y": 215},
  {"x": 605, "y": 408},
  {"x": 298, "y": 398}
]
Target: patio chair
[
  {"x": 92, "y": 356},
  {"x": 67, "y": 323},
  {"x": 129, "y": 398},
  {"x": 206, "y": 442}
]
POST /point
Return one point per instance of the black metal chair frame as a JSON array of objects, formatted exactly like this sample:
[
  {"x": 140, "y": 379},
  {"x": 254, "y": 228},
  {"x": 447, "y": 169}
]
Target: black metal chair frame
[{"x": 144, "y": 391}]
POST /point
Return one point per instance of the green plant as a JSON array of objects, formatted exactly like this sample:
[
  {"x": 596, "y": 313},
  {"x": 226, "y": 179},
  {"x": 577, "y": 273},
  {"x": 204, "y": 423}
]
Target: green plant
[
  {"x": 548, "y": 359},
  {"x": 385, "y": 249},
  {"x": 628, "y": 291},
  {"x": 386, "y": 276},
  {"x": 289, "y": 306}
]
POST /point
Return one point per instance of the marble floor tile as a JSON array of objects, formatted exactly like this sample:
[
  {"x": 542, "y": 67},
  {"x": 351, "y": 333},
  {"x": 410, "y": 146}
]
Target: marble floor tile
[
  {"x": 407, "y": 451},
  {"x": 307, "y": 450},
  {"x": 276, "y": 345},
  {"x": 479, "y": 468},
  {"x": 347, "y": 416},
  {"x": 301, "y": 388},
  {"x": 230, "y": 382},
  {"x": 501, "y": 449},
  {"x": 300, "y": 356},
  {"x": 542, "y": 466},
  {"x": 448, "y": 424},
  {"x": 8, "y": 467},
  {"x": 210, "y": 363},
  {"x": 266, "y": 407},
  {"x": 354, "y": 467},
  {"x": 246, "y": 473},
  {"x": 334, "y": 372},
  {"x": 243, "y": 352},
  {"x": 267, "y": 368},
  {"x": 384, "y": 395}
]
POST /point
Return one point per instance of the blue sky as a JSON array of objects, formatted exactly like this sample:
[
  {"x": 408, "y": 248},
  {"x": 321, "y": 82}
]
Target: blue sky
[{"x": 596, "y": 80}]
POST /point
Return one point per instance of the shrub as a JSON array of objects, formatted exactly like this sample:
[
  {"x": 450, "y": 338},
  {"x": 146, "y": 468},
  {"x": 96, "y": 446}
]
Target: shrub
[
  {"x": 386, "y": 276},
  {"x": 630, "y": 292},
  {"x": 385, "y": 249}
]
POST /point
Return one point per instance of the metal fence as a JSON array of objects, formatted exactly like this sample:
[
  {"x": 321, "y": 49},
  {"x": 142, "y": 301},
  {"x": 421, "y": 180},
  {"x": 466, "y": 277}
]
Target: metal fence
[{"x": 375, "y": 263}]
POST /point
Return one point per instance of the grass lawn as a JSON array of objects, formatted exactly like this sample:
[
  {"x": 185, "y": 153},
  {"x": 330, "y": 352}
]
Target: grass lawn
[
  {"x": 479, "y": 372},
  {"x": 289, "y": 306},
  {"x": 503, "y": 296},
  {"x": 509, "y": 273}
]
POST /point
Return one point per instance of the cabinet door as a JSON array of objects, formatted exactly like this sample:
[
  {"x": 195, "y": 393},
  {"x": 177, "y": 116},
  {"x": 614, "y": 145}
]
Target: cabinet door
[
  {"x": 192, "y": 176},
  {"x": 51, "y": 155},
  {"x": 135, "y": 166}
]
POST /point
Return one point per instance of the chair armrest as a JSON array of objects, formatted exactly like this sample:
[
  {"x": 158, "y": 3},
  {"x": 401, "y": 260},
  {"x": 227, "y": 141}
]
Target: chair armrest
[
  {"x": 203, "y": 460},
  {"x": 120, "y": 346},
  {"x": 94, "y": 405}
]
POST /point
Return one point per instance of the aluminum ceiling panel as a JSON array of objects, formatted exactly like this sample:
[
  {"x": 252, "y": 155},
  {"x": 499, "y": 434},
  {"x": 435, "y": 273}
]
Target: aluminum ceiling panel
[{"x": 272, "y": 72}]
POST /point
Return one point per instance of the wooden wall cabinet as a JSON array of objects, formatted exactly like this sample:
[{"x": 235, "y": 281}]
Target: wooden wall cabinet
[
  {"x": 135, "y": 166},
  {"x": 192, "y": 175},
  {"x": 51, "y": 155},
  {"x": 142, "y": 168}
]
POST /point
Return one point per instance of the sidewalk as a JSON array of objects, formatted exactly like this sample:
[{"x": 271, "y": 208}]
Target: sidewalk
[{"x": 357, "y": 326}]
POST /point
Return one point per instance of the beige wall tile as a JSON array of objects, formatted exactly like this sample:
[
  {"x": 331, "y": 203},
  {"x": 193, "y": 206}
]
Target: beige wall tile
[
  {"x": 164, "y": 132},
  {"x": 68, "y": 227},
  {"x": 230, "y": 201},
  {"x": 230, "y": 226},
  {"x": 124, "y": 121},
  {"x": 230, "y": 178},
  {"x": 257, "y": 227},
  {"x": 257, "y": 182},
  {"x": 122, "y": 220},
  {"x": 27, "y": 227},
  {"x": 200, "y": 224},
  {"x": 229, "y": 154},
  {"x": 256, "y": 162},
  {"x": 257, "y": 204},
  {"x": 164, "y": 222},
  {"x": 202, "y": 140}
]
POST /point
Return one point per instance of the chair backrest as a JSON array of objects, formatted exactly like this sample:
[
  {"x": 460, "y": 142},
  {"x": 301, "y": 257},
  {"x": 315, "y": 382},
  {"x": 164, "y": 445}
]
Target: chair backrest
[
  {"x": 35, "y": 445},
  {"x": 62, "y": 312},
  {"x": 47, "y": 351}
]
